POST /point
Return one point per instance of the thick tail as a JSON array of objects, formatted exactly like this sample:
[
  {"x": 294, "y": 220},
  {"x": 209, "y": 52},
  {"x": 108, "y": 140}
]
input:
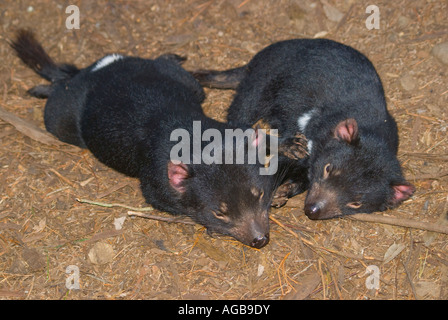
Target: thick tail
[
  {"x": 228, "y": 79},
  {"x": 30, "y": 51}
]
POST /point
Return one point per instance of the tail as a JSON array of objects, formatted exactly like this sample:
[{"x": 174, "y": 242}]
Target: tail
[
  {"x": 228, "y": 79},
  {"x": 30, "y": 51}
]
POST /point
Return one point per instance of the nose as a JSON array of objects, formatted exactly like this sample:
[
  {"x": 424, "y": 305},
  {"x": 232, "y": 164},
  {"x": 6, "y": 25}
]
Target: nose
[
  {"x": 260, "y": 242},
  {"x": 312, "y": 210}
]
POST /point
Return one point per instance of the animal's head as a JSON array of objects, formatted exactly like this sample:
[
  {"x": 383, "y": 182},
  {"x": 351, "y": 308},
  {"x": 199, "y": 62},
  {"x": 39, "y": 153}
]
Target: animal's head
[
  {"x": 354, "y": 174},
  {"x": 230, "y": 199}
]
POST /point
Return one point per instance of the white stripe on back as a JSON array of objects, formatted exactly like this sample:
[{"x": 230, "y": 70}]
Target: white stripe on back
[{"x": 106, "y": 61}]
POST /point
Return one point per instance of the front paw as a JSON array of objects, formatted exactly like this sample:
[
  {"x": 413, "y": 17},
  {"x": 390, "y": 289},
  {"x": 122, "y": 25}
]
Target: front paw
[
  {"x": 295, "y": 147},
  {"x": 283, "y": 193}
]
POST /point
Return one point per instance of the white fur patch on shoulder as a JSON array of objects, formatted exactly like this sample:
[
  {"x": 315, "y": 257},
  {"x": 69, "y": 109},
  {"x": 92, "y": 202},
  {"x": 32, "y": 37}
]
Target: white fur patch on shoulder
[
  {"x": 107, "y": 60},
  {"x": 303, "y": 120},
  {"x": 310, "y": 146}
]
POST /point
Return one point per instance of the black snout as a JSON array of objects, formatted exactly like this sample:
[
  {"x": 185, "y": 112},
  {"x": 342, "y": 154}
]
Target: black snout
[
  {"x": 320, "y": 211},
  {"x": 260, "y": 241},
  {"x": 312, "y": 210}
]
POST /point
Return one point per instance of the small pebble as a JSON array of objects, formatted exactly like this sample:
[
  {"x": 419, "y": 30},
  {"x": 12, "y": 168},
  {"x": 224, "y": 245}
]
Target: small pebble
[
  {"x": 118, "y": 222},
  {"x": 332, "y": 13},
  {"x": 101, "y": 253},
  {"x": 408, "y": 82},
  {"x": 440, "y": 51}
]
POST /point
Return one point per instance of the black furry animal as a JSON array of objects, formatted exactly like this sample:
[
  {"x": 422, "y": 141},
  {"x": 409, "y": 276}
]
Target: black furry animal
[
  {"x": 124, "y": 110},
  {"x": 331, "y": 93}
]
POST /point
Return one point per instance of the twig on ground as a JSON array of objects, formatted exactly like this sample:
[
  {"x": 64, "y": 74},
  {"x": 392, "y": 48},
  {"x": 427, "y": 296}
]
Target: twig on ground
[
  {"x": 314, "y": 247},
  {"x": 29, "y": 129},
  {"x": 376, "y": 218},
  {"x": 160, "y": 218},
  {"x": 407, "y": 223},
  {"x": 139, "y": 212},
  {"x": 410, "y": 281},
  {"x": 111, "y": 205}
]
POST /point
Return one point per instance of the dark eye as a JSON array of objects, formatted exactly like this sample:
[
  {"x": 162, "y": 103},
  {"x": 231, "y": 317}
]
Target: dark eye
[
  {"x": 354, "y": 205},
  {"x": 327, "y": 170}
]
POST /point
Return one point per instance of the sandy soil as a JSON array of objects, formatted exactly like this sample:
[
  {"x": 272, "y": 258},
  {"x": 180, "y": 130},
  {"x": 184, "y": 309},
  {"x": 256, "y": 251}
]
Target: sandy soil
[{"x": 43, "y": 229}]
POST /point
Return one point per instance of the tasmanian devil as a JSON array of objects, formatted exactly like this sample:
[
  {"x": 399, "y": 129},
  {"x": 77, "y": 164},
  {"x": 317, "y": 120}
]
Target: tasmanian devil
[
  {"x": 331, "y": 93},
  {"x": 124, "y": 109}
]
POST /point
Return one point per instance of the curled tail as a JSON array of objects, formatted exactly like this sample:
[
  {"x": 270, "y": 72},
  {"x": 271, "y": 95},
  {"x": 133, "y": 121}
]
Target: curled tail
[
  {"x": 30, "y": 51},
  {"x": 227, "y": 79}
]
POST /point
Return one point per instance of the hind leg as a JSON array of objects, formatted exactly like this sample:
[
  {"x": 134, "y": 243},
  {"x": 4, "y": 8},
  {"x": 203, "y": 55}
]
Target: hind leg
[
  {"x": 62, "y": 114},
  {"x": 40, "y": 91}
]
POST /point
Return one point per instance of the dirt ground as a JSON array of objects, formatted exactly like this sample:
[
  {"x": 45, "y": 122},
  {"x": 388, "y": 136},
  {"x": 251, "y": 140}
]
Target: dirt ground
[{"x": 44, "y": 230}]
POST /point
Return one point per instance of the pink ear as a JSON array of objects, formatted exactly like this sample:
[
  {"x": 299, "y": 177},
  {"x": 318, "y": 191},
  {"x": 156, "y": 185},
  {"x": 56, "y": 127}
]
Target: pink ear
[
  {"x": 257, "y": 137},
  {"x": 347, "y": 130},
  {"x": 177, "y": 173},
  {"x": 402, "y": 192}
]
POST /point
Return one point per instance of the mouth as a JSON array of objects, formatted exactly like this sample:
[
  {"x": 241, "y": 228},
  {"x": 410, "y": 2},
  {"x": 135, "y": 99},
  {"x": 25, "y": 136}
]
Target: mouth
[
  {"x": 324, "y": 216},
  {"x": 321, "y": 203},
  {"x": 256, "y": 241},
  {"x": 319, "y": 211},
  {"x": 260, "y": 242}
]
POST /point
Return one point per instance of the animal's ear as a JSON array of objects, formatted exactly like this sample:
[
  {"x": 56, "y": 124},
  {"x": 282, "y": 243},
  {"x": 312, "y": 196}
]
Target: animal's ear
[
  {"x": 401, "y": 192},
  {"x": 347, "y": 130},
  {"x": 177, "y": 174}
]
